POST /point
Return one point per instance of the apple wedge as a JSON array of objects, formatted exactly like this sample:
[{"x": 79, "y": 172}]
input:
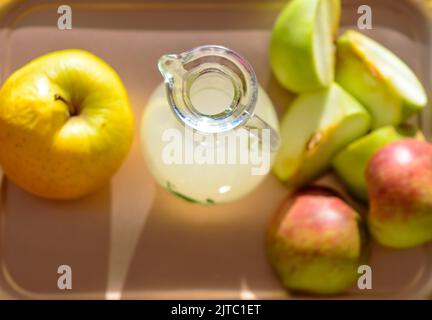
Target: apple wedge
[
  {"x": 301, "y": 48},
  {"x": 378, "y": 79},
  {"x": 314, "y": 129},
  {"x": 350, "y": 163}
]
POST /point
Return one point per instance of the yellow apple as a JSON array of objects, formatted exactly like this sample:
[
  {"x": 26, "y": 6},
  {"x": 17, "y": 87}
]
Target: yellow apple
[{"x": 65, "y": 124}]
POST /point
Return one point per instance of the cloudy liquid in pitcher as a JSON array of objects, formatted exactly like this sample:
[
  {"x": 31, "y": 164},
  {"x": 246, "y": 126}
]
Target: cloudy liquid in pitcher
[{"x": 201, "y": 168}]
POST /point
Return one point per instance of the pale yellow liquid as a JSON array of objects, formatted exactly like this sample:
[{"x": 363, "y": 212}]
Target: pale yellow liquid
[{"x": 203, "y": 183}]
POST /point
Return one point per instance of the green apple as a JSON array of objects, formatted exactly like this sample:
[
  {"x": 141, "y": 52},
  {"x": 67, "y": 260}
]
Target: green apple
[
  {"x": 314, "y": 128},
  {"x": 65, "y": 124},
  {"x": 350, "y": 163},
  {"x": 316, "y": 242},
  {"x": 301, "y": 47},
  {"x": 379, "y": 80}
]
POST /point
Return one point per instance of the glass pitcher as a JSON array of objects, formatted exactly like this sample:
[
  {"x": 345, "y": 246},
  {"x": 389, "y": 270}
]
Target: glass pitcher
[{"x": 209, "y": 131}]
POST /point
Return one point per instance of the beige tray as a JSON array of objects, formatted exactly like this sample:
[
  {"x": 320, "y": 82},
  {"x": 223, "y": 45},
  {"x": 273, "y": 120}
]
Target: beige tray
[{"x": 134, "y": 240}]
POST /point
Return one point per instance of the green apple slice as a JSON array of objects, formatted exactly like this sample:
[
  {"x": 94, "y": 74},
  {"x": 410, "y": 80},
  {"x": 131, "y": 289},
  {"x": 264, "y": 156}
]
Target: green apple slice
[
  {"x": 317, "y": 126},
  {"x": 301, "y": 48},
  {"x": 350, "y": 164},
  {"x": 384, "y": 84}
]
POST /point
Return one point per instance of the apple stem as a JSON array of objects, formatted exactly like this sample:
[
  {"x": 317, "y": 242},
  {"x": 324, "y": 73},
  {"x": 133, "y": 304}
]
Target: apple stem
[{"x": 72, "y": 110}]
